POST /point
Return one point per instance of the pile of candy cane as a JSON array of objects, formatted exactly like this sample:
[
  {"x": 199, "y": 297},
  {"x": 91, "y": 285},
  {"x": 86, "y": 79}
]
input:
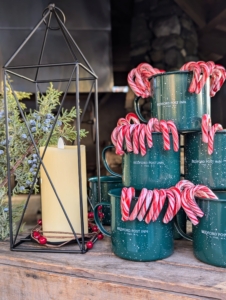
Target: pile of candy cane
[
  {"x": 209, "y": 131},
  {"x": 138, "y": 78},
  {"x": 150, "y": 203},
  {"x": 135, "y": 135}
]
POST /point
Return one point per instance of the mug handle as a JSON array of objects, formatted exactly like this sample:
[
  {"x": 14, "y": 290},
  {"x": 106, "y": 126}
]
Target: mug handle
[
  {"x": 105, "y": 162},
  {"x": 180, "y": 231},
  {"x": 137, "y": 109},
  {"x": 97, "y": 220}
]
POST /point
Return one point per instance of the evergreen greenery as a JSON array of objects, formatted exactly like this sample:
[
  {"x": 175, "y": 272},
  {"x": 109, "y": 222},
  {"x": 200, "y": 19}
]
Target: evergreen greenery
[{"x": 23, "y": 157}]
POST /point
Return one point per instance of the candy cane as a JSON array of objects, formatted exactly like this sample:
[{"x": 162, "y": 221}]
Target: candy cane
[
  {"x": 206, "y": 124},
  {"x": 122, "y": 121},
  {"x": 132, "y": 84},
  {"x": 184, "y": 184},
  {"x": 213, "y": 130},
  {"x": 178, "y": 202},
  {"x": 142, "y": 136},
  {"x": 132, "y": 117},
  {"x": 148, "y": 130},
  {"x": 130, "y": 193},
  {"x": 121, "y": 136},
  {"x": 170, "y": 209},
  {"x": 128, "y": 139},
  {"x": 215, "y": 82},
  {"x": 187, "y": 209},
  {"x": 205, "y": 74},
  {"x": 124, "y": 209},
  {"x": 175, "y": 135},
  {"x": 157, "y": 127},
  {"x": 153, "y": 208},
  {"x": 165, "y": 134},
  {"x": 189, "y": 195},
  {"x": 161, "y": 202},
  {"x": 114, "y": 135},
  {"x": 202, "y": 188},
  {"x": 136, "y": 133},
  {"x": 192, "y": 66},
  {"x": 146, "y": 205},
  {"x": 138, "y": 205}
]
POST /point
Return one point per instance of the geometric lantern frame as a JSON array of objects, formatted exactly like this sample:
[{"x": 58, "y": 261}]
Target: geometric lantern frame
[{"x": 18, "y": 243}]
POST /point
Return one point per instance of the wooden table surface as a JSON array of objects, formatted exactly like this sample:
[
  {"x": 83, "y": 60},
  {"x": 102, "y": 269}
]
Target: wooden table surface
[{"x": 99, "y": 274}]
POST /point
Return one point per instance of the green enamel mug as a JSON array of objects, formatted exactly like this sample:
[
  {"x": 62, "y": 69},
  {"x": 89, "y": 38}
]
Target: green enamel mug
[
  {"x": 107, "y": 183},
  {"x": 136, "y": 240},
  {"x": 171, "y": 100},
  {"x": 209, "y": 236},
  {"x": 157, "y": 169},
  {"x": 202, "y": 168}
]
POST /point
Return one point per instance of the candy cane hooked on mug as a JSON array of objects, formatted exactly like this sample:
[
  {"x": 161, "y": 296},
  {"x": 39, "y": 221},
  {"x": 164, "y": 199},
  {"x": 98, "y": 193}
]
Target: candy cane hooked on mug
[
  {"x": 172, "y": 127},
  {"x": 128, "y": 194},
  {"x": 128, "y": 137},
  {"x": 132, "y": 117},
  {"x": 138, "y": 205},
  {"x": 170, "y": 209},
  {"x": 165, "y": 134},
  {"x": 189, "y": 194},
  {"x": 121, "y": 136},
  {"x": 213, "y": 130},
  {"x": 142, "y": 138},
  {"x": 146, "y": 205},
  {"x": 154, "y": 206},
  {"x": 190, "y": 214},
  {"x": 206, "y": 125},
  {"x": 161, "y": 202}
]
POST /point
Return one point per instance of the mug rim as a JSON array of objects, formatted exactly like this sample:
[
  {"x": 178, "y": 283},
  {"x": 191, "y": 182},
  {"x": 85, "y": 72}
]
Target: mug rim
[
  {"x": 105, "y": 179},
  {"x": 169, "y": 73},
  {"x": 217, "y": 132}
]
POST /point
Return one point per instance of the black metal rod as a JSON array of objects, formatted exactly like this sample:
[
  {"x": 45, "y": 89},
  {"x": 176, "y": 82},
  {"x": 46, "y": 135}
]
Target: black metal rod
[
  {"x": 86, "y": 103},
  {"x": 87, "y": 70},
  {"x": 79, "y": 157},
  {"x": 97, "y": 139},
  {"x": 42, "y": 66},
  {"x": 27, "y": 38},
  {"x": 8, "y": 162},
  {"x": 43, "y": 44},
  {"x": 20, "y": 76},
  {"x": 73, "y": 41},
  {"x": 65, "y": 37},
  {"x": 41, "y": 163},
  {"x": 48, "y": 250},
  {"x": 65, "y": 80}
]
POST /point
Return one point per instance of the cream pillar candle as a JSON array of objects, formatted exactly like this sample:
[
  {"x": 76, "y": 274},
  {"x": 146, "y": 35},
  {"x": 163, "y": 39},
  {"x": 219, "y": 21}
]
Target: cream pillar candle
[{"x": 62, "y": 167}]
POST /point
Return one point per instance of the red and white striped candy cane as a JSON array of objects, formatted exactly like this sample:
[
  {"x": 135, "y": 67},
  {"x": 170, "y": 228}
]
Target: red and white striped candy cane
[
  {"x": 136, "y": 133},
  {"x": 124, "y": 210},
  {"x": 215, "y": 81},
  {"x": 148, "y": 131},
  {"x": 206, "y": 125},
  {"x": 122, "y": 121},
  {"x": 211, "y": 66},
  {"x": 175, "y": 135},
  {"x": 178, "y": 202},
  {"x": 138, "y": 205},
  {"x": 114, "y": 135},
  {"x": 120, "y": 141},
  {"x": 212, "y": 132},
  {"x": 128, "y": 137},
  {"x": 182, "y": 184},
  {"x": 202, "y": 188},
  {"x": 157, "y": 127},
  {"x": 134, "y": 83},
  {"x": 170, "y": 209},
  {"x": 192, "y": 66},
  {"x": 165, "y": 134},
  {"x": 141, "y": 84},
  {"x": 161, "y": 202},
  {"x": 205, "y": 75},
  {"x": 154, "y": 206},
  {"x": 189, "y": 195},
  {"x": 132, "y": 117},
  {"x": 130, "y": 193},
  {"x": 146, "y": 205},
  {"x": 142, "y": 136},
  {"x": 190, "y": 214}
]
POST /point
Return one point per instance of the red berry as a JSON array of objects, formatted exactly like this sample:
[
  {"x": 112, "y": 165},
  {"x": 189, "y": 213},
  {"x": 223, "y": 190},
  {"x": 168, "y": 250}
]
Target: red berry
[
  {"x": 89, "y": 245},
  {"x": 100, "y": 236},
  {"x": 36, "y": 234},
  {"x": 42, "y": 240},
  {"x": 90, "y": 215},
  {"x": 99, "y": 207},
  {"x": 94, "y": 228},
  {"x": 40, "y": 222},
  {"x": 101, "y": 215}
]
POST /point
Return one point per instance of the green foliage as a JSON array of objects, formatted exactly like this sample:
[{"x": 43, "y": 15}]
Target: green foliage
[{"x": 23, "y": 157}]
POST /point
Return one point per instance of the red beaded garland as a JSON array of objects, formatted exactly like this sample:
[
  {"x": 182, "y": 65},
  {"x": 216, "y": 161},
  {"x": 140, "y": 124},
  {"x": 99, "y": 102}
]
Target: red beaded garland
[
  {"x": 100, "y": 236},
  {"x": 100, "y": 214},
  {"x": 89, "y": 245},
  {"x": 99, "y": 207},
  {"x": 90, "y": 215},
  {"x": 36, "y": 234},
  {"x": 94, "y": 228},
  {"x": 42, "y": 240}
]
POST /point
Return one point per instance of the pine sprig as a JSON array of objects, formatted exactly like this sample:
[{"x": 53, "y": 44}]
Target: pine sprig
[{"x": 23, "y": 157}]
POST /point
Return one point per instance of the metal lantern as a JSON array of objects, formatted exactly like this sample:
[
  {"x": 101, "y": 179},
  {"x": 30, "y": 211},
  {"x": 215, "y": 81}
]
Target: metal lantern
[{"x": 80, "y": 72}]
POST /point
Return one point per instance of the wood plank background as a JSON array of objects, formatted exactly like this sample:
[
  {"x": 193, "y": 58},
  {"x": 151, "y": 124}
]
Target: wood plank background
[{"x": 99, "y": 274}]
